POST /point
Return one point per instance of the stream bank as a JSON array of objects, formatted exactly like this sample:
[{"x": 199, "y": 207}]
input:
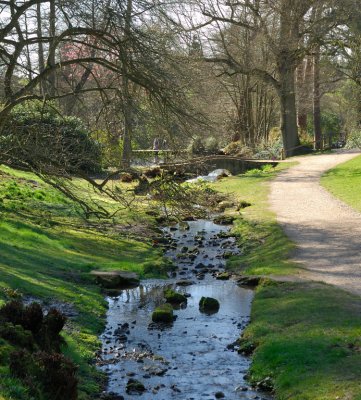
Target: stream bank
[{"x": 195, "y": 357}]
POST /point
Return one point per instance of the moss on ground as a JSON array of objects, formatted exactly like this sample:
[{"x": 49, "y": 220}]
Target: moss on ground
[{"x": 47, "y": 251}]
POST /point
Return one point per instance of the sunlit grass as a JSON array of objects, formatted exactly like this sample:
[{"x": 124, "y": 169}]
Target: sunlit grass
[
  {"x": 344, "y": 181},
  {"x": 47, "y": 251},
  {"x": 265, "y": 247},
  {"x": 307, "y": 335},
  {"x": 307, "y": 338}
]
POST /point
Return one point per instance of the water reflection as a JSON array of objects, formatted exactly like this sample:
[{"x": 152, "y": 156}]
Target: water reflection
[{"x": 190, "y": 359}]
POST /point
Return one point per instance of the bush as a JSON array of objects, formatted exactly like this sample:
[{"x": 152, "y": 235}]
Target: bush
[
  {"x": 49, "y": 373},
  {"x": 270, "y": 150},
  {"x": 354, "y": 140},
  {"x": 21, "y": 363},
  {"x": 237, "y": 149},
  {"x": 33, "y": 318},
  {"x": 13, "y": 312},
  {"x": 36, "y": 135},
  {"x": 57, "y": 376},
  {"x": 17, "y": 335},
  {"x": 46, "y": 329},
  {"x": 212, "y": 146},
  {"x": 197, "y": 146},
  {"x": 54, "y": 322}
]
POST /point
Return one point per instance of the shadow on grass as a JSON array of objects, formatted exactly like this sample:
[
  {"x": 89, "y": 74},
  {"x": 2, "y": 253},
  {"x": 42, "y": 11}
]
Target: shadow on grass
[
  {"x": 265, "y": 249},
  {"x": 308, "y": 340}
]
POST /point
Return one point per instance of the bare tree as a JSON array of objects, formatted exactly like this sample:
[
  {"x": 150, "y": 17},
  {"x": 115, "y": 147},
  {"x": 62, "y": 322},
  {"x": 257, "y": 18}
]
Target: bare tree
[{"x": 288, "y": 29}]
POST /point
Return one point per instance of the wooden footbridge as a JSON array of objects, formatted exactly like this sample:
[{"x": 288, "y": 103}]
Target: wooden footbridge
[{"x": 234, "y": 164}]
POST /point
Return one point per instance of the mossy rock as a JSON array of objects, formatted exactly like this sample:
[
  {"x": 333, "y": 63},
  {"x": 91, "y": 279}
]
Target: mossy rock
[
  {"x": 224, "y": 220},
  {"x": 246, "y": 347},
  {"x": 223, "y": 276},
  {"x": 226, "y": 204},
  {"x": 135, "y": 387},
  {"x": 209, "y": 305},
  {"x": 185, "y": 282},
  {"x": 163, "y": 313},
  {"x": 174, "y": 297},
  {"x": 243, "y": 204},
  {"x": 251, "y": 281},
  {"x": 116, "y": 279}
]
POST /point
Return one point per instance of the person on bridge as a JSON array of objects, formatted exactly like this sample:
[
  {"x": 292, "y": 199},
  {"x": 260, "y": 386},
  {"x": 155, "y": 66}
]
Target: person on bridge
[{"x": 156, "y": 148}]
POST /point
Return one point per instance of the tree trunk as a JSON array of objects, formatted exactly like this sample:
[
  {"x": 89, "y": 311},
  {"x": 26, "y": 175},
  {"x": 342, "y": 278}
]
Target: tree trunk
[
  {"x": 127, "y": 99},
  {"x": 304, "y": 92},
  {"x": 317, "y": 101},
  {"x": 287, "y": 61},
  {"x": 41, "y": 57},
  {"x": 128, "y": 124},
  {"x": 287, "y": 95},
  {"x": 51, "y": 58}
]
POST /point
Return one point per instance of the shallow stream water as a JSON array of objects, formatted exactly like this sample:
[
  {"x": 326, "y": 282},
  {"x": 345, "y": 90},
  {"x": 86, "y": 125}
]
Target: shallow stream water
[{"x": 193, "y": 358}]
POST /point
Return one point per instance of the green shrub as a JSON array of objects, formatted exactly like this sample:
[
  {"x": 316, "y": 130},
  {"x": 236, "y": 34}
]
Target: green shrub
[
  {"x": 17, "y": 335},
  {"x": 197, "y": 146},
  {"x": 36, "y": 136},
  {"x": 49, "y": 373},
  {"x": 46, "y": 373},
  {"x": 354, "y": 140},
  {"x": 237, "y": 149}
]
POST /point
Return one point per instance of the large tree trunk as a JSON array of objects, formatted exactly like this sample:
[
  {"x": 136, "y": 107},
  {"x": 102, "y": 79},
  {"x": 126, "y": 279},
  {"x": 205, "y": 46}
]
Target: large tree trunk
[
  {"x": 317, "y": 101},
  {"x": 287, "y": 61},
  {"x": 127, "y": 99},
  {"x": 304, "y": 92},
  {"x": 51, "y": 58},
  {"x": 41, "y": 57},
  {"x": 128, "y": 124},
  {"x": 287, "y": 94}
]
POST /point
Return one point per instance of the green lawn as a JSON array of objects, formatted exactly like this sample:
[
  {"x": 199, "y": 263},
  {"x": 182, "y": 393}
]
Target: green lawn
[
  {"x": 47, "y": 251},
  {"x": 265, "y": 247},
  {"x": 308, "y": 341},
  {"x": 344, "y": 181},
  {"x": 307, "y": 336}
]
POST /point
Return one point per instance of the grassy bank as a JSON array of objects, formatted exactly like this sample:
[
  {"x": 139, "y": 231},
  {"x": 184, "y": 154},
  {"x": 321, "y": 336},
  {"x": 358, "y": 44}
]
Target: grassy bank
[
  {"x": 305, "y": 336},
  {"x": 265, "y": 247},
  {"x": 344, "y": 182},
  {"x": 47, "y": 251},
  {"x": 307, "y": 339}
]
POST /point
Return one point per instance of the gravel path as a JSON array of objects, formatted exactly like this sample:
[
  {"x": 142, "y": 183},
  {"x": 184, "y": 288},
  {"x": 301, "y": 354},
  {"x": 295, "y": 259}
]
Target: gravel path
[{"x": 326, "y": 231}]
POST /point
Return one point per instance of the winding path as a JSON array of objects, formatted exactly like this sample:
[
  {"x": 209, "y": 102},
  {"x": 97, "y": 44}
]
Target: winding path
[{"x": 326, "y": 231}]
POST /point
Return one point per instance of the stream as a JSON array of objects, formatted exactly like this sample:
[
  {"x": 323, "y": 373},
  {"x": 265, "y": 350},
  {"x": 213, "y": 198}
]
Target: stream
[{"x": 193, "y": 358}]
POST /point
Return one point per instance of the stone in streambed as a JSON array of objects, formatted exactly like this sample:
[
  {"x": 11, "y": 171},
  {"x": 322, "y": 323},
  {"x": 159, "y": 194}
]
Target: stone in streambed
[
  {"x": 250, "y": 281},
  {"x": 163, "y": 313},
  {"x": 226, "y": 204},
  {"x": 224, "y": 220},
  {"x": 185, "y": 282},
  {"x": 135, "y": 387},
  {"x": 116, "y": 279},
  {"x": 223, "y": 276},
  {"x": 208, "y": 305},
  {"x": 111, "y": 396},
  {"x": 174, "y": 297}
]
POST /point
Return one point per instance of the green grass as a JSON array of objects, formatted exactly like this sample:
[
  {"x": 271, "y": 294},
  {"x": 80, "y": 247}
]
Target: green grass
[
  {"x": 47, "y": 251},
  {"x": 307, "y": 336},
  {"x": 344, "y": 181},
  {"x": 308, "y": 341},
  {"x": 265, "y": 247}
]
